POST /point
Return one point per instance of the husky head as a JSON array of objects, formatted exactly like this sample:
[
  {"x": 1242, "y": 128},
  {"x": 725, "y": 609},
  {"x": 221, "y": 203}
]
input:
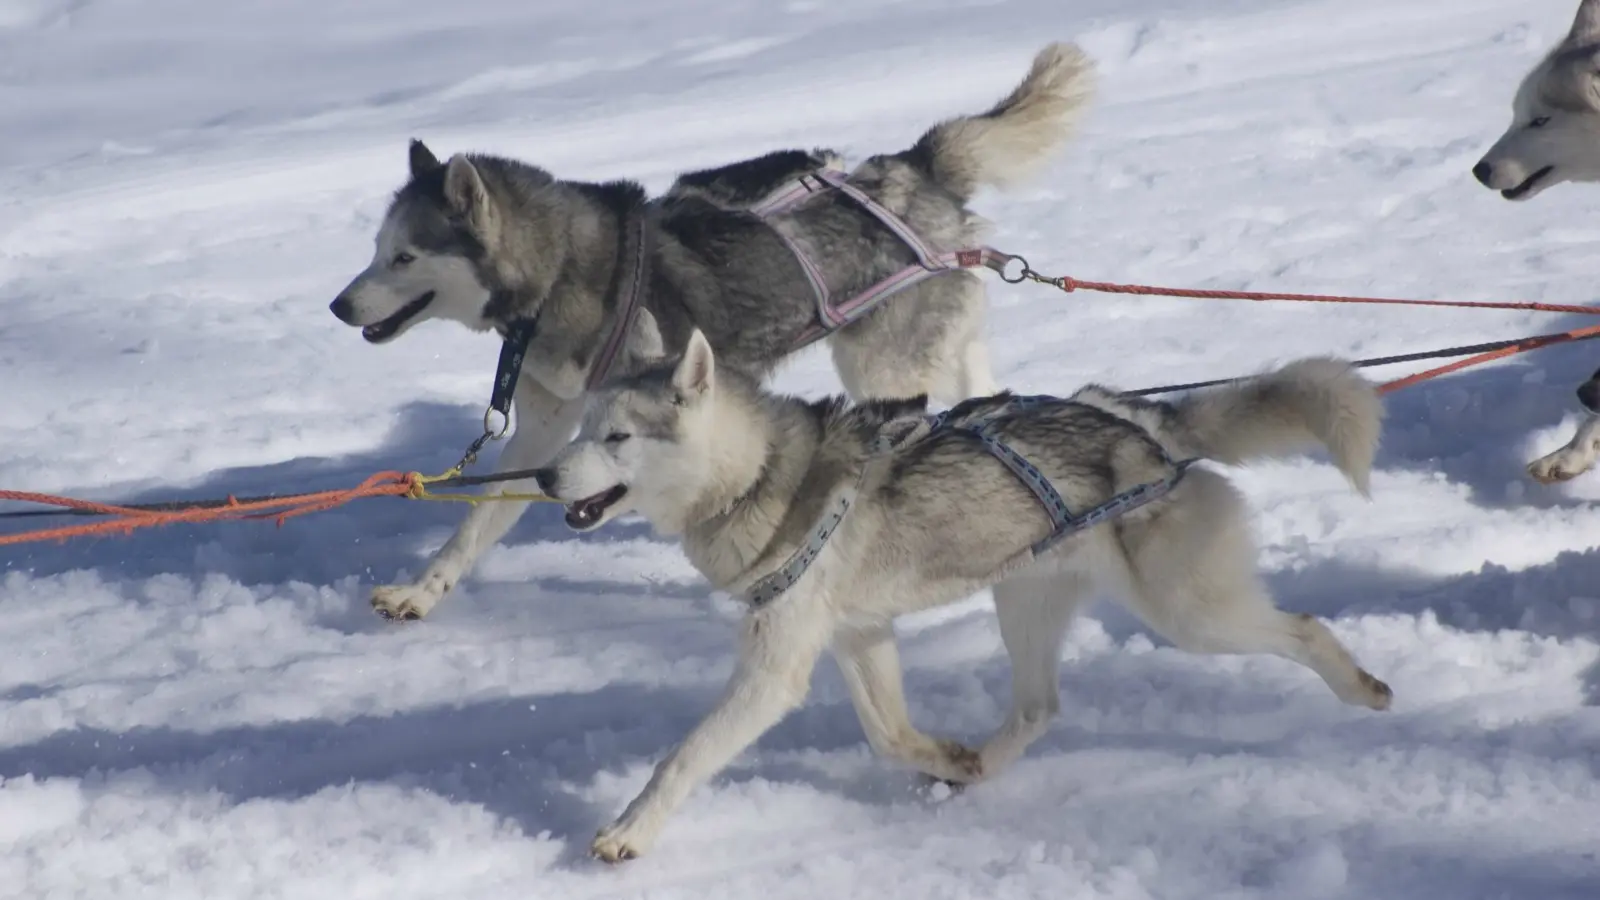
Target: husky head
[
  {"x": 646, "y": 444},
  {"x": 433, "y": 251},
  {"x": 1555, "y": 123}
]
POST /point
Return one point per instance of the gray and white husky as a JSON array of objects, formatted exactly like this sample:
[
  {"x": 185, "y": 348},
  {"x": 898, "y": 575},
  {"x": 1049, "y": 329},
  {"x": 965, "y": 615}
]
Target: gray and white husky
[
  {"x": 1555, "y": 137},
  {"x": 742, "y": 477},
  {"x": 490, "y": 242}
]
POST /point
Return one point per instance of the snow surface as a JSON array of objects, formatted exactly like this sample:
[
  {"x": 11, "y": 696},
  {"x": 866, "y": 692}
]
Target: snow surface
[{"x": 213, "y": 712}]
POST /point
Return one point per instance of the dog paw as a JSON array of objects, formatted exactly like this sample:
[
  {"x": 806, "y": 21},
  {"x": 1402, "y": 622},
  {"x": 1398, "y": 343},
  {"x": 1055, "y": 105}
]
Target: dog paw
[
  {"x": 1554, "y": 468},
  {"x": 953, "y": 764},
  {"x": 1377, "y": 695},
  {"x": 402, "y": 602},
  {"x": 963, "y": 761},
  {"x": 611, "y": 846}
]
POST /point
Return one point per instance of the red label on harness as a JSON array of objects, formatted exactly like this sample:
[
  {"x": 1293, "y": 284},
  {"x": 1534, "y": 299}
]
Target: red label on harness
[{"x": 968, "y": 259}]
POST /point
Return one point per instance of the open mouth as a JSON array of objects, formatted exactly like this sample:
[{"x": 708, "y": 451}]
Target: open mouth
[
  {"x": 382, "y": 331},
  {"x": 586, "y": 513},
  {"x": 1521, "y": 190}
]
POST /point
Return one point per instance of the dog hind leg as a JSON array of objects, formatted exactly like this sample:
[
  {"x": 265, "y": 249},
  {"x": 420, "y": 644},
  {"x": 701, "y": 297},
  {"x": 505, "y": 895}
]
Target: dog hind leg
[
  {"x": 1194, "y": 581},
  {"x": 929, "y": 340},
  {"x": 870, "y": 664}
]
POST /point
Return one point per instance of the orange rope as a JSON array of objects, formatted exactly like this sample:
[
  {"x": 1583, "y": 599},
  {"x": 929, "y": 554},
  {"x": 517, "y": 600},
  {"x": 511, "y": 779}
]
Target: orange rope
[
  {"x": 1069, "y": 284},
  {"x": 126, "y": 519},
  {"x": 1533, "y": 343}
]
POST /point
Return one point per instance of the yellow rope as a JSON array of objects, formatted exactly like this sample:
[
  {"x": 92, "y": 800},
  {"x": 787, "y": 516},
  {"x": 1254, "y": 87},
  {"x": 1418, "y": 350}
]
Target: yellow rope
[{"x": 420, "y": 482}]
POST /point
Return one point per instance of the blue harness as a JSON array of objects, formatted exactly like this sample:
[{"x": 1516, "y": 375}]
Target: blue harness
[{"x": 1063, "y": 523}]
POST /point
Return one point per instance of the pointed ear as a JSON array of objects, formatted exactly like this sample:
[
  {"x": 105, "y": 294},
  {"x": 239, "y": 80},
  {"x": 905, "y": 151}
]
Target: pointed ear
[
  {"x": 464, "y": 193},
  {"x": 422, "y": 159},
  {"x": 645, "y": 341},
  {"x": 696, "y": 371},
  {"x": 1586, "y": 25}
]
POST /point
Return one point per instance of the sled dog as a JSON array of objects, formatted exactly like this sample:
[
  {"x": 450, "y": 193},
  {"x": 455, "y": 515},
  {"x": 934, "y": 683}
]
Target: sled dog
[
  {"x": 592, "y": 276},
  {"x": 1555, "y": 137},
  {"x": 798, "y": 508}
]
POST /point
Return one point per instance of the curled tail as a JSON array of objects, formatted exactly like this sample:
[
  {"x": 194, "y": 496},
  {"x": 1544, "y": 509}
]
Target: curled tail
[
  {"x": 1009, "y": 141},
  {"x": 1306, "y": 403}
]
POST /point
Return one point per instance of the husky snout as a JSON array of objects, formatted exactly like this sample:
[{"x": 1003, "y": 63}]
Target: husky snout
[{"x": 343, "y": 309}]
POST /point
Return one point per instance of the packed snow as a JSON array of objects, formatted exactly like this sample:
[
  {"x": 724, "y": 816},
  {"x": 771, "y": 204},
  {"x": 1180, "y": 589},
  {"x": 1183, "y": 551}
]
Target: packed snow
[{"x": 214, "y": 712}]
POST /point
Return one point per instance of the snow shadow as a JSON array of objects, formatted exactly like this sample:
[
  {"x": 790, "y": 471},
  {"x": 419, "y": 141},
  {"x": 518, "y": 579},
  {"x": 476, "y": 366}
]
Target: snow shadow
[
  {"x": 373, "y": 538},
  {"x": 1474, "y": 426},
  {"x": 529, "y": 759}
]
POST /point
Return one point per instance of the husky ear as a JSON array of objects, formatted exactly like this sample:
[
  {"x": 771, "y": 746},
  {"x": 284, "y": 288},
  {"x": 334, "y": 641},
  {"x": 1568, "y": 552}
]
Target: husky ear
[
  {"x": 422, "y": 159},
  {"x": 645, "y": 341},
  {"x": 464, "y": 193},
  {"x": 1586, "y": 25},
  {"x": 693, "y": 377}
]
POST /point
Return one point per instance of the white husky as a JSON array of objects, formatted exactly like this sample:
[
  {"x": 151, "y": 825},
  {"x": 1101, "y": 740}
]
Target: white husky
[
  {"x": 828, "y": 535},
  {"x": 1555, "y": 137}
]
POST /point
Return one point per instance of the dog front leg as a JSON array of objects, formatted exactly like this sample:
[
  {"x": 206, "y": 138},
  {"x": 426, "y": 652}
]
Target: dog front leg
[
  {"x": 778, "y": 650},
  {"x": 870, "y": 663},
  {"x": 1572, "y": 460},
  {"x": 544, "y": 425}
]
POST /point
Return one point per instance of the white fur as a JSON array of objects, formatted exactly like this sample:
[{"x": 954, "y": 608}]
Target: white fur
[{"x": 1576, "y": 458}]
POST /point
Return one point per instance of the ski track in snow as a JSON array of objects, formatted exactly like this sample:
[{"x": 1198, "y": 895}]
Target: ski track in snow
[{"x": 213, "y": 712}]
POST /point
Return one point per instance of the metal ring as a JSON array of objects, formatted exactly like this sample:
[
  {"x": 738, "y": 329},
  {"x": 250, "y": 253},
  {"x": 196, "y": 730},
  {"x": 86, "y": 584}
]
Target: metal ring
[
  {"x": 1021, "y": 276},
  {"x": 489, "y": 430}
]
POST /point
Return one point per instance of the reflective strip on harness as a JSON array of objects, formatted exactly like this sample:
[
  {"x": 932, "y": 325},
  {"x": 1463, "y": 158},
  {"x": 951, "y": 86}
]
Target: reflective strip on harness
[
  {"x": 1063, "y": 523},
  {"x": 930, "y": 261}
]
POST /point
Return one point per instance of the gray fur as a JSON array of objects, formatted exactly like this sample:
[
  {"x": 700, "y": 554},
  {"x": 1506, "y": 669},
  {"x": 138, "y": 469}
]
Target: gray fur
[
  {"x": 744, "y": 474},
  {"x": 486, "y": 241}
]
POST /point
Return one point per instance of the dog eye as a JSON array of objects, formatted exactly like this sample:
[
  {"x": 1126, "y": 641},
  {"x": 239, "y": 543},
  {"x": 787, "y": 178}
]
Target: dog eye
[
  {"x": 403, "y": 259},
  {"x": 1540, "y": 122},
  {"x": 617, "y": 437}
]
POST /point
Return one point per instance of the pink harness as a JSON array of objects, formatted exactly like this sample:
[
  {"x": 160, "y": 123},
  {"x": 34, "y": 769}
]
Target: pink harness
[{"x": 930, "y": 262}]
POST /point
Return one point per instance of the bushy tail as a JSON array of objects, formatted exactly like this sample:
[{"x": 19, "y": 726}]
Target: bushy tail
[
  {"x": 1009, "y": 141},
  {"x": 1309, "y": 402}
]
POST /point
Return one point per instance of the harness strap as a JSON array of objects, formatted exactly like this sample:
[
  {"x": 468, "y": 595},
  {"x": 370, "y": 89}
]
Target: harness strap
[
  {"x": 1063, "y": 523},
  {"x": 930, "y": 261},
  {"x": 631, "y": 294},
  {"x": 774, "y": 585}
]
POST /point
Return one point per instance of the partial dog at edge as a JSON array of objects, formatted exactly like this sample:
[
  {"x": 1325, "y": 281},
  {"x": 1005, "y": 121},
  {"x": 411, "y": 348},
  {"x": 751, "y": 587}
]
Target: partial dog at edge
[
  {"x": 486, "y": 241},
  {"x": 742, "y": 476},
  {"x": 1555, "y": 137}
]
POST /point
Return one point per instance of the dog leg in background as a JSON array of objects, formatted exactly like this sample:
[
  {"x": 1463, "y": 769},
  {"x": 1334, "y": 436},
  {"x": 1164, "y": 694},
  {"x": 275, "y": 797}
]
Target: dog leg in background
[
  {"x": 1035, "y": 608},
  {"x": 870, "y": 663},
  {"x": 941, "y": 352},
  {"x": 777, "y": 652},
  {"x": 1576, "y": 458},
  {"x": 544, "y": 425}
]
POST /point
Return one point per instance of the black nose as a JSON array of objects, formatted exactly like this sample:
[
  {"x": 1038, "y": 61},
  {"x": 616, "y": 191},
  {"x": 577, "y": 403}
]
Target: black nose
[
  {"x": 545, "y": 479},
  {"x": 342, "y": 308},
  {"x": 1483, "y": 171}
]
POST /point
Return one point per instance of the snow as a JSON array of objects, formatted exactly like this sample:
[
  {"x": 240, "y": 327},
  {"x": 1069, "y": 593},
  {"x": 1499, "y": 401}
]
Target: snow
[{"x": 213, "y": 711}]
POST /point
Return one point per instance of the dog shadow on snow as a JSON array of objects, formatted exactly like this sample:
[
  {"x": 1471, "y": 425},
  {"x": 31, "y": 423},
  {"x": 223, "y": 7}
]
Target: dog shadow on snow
[
  {"x": 1474, "y": 426},
  {"x": 373, "y": 538}
]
